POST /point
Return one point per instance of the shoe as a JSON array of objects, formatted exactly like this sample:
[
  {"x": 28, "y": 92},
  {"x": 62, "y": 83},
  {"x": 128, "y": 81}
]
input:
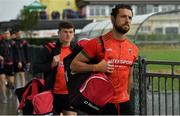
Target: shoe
[
  {"x": 4, "y": 100},
  {"x": 19, "y": 112}
]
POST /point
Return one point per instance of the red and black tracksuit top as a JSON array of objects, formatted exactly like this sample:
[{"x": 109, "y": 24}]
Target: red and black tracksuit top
[
  {"x": 6, "y": 50},
  {"x": 45, "y": 66},
  {"x": 20, "y": 53}
]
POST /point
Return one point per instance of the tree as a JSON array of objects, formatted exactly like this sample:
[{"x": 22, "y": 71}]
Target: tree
[{"x": 28, "y": 20}]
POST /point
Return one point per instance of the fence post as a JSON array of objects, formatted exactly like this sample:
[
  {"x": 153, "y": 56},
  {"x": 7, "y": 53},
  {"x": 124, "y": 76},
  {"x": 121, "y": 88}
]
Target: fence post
[
  {"x": 142, "y": 86},
  {"x": 138, "y": 92},
  {"x": 135, "y": 90}
]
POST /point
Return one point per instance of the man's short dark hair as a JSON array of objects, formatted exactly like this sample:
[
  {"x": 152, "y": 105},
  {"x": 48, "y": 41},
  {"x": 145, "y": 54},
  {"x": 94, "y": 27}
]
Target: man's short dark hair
[
  {"x": 66, "y": 25},
  {"x": 120, "y": 6}
]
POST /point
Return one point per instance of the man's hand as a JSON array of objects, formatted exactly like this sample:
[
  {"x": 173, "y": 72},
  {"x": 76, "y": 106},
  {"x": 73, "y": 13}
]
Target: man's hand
[
  {"x": 56, "y": 60},
  {"x": 28, "y": 66},
  {"x": 104, "y": 66},
  {"x": 1, "y": 58},
  {"x": 19, "y": 64}
]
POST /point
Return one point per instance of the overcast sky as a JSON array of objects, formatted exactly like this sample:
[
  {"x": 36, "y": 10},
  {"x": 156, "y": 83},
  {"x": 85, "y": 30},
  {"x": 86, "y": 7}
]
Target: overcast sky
[{"x": 10, "y": 9}]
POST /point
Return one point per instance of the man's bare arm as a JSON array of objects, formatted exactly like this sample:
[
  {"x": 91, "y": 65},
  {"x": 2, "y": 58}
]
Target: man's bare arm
[{"x": 79, "y": 64}]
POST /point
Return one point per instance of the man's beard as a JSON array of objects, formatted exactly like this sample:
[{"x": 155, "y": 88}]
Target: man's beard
[{"x": 120, "y": 29}]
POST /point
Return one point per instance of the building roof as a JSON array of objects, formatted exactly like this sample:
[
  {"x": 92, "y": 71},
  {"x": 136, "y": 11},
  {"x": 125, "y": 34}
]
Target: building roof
[
  {"x": 95, "y": 29},
  {"x": 81, "y": 3},
  {"x": 45, "y": 24}
]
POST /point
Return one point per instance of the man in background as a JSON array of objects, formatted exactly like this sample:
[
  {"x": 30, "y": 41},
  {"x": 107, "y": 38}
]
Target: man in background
[
  {"x": 20, "y": 55},
  {"x": 53, "y": 68},
  {"x": 6, "y": 65}
]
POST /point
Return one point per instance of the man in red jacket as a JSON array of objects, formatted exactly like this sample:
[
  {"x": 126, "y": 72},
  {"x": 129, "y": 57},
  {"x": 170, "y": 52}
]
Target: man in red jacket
[
  {"x": 61, "y": 103},
  {"x": 53, "y": 68}
]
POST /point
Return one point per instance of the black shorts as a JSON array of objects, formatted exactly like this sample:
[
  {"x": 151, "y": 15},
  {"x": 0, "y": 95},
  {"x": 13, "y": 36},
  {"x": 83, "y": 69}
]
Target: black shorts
[
  {"x": 7, "y": 70},
  {"x": 60, "y": 103},
  {"x": 17, "y": 69},
  {"x": 1, "y": 71},
  {"x": 117, "y": 109}
]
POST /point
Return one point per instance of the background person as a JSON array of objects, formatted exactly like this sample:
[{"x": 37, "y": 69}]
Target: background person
[
  {"x": 121, "y": 54},
  {"x": 61, "y": 100},
  {"x": 6, "y": 65},
  {"x": 20, "y": 55},
  {"x": 53, "y": 68}
]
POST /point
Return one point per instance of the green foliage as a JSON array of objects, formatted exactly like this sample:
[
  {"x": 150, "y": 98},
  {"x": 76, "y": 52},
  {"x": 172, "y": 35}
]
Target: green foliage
[
  {"x": 28, "y": 19},
  {"x": 164, "y": 84},
  {"x": 166, "y": 52},
  {"x": 160, "y": 52},
  {"x": 157, "y": 37}
]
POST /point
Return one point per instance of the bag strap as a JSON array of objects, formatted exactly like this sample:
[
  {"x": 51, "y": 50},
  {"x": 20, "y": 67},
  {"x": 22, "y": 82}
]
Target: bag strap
[
  {"x": 24, "y": 96},
  {"x": 34, "y": 90},
  {"x": 57, "y": 49},
  {"x": 103, "y": 48},
  {"x": 50, "y": 46},
  {"x": 102, "y": 41}
]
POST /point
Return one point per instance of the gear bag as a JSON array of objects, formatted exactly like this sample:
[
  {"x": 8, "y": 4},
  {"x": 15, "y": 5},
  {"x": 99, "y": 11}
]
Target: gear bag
[
  {"x": 33, "y": 99},
  {"x": 88, "y": 91}
]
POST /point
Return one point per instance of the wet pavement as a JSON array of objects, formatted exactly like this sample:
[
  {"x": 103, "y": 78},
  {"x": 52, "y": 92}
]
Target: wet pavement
[{"x": 10, "y": 108}]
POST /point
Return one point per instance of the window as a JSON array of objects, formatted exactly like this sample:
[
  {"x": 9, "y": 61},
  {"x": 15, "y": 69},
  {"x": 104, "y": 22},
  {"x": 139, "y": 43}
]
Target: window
[
  {"x": 171, "y": 30},
  {"x": 97, "y": 10},
  {"x": 156, "y": 8},
  {"x": 55, "y": 15},
  {"x": 141, "y": 9},
  {"x": 171, "y": 7},
  {"x": 103, "y": 11},
  {"x": 43, "y": 15},
  {"x": 167, "y": 8},
  {"x": 159, "y": 30},
  {"x": 145, "y": 29},
  {"x": 92, "y": 12},
  {"x": 178, "y": 6}
]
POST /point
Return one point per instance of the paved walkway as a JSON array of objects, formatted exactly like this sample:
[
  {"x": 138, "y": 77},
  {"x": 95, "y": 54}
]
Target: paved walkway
[{"x": 10, "y": 108}]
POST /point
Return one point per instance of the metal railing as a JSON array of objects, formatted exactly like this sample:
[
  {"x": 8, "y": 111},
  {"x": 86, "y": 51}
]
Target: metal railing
[{"x": 156, "y": 93}]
